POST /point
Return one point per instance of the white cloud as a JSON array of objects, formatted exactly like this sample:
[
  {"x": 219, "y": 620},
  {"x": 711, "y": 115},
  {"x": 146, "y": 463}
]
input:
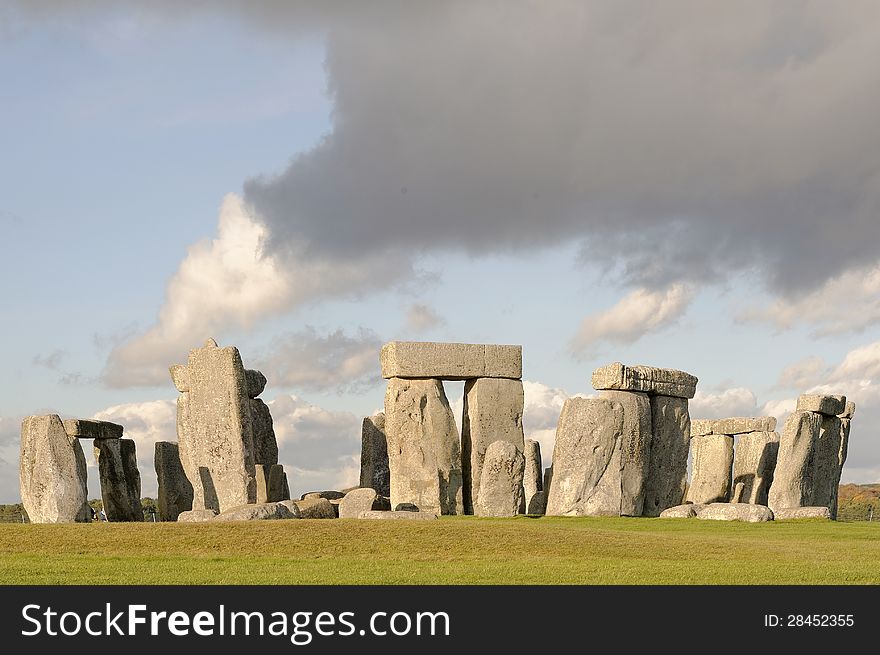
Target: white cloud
[
  {"x": 422, "y": 318},
  {"x": 738, "y": 401},
  {"x": 635, "y": 315}
]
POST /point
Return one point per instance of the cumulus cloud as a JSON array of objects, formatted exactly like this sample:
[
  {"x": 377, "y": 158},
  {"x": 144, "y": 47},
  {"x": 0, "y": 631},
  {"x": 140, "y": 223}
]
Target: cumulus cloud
[
  {"x": 635, "y": 315},
  {"x": 737, "y": 401},
  {"x": 422, "y": 318}
]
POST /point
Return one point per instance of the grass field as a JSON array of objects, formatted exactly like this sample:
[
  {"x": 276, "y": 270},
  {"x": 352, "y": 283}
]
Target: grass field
[{"x": 452, "y": 550}]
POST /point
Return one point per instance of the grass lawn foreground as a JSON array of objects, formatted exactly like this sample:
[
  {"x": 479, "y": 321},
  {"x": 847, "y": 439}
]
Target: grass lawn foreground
[{"x": 452, "y": 550}]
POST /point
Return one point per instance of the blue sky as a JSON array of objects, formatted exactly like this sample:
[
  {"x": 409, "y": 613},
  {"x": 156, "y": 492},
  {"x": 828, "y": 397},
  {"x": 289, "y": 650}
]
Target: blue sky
[{"x": 594, "y": 183}]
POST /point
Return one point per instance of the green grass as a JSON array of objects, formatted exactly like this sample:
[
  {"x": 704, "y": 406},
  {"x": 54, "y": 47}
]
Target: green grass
[{"x": 453, "y": 550}]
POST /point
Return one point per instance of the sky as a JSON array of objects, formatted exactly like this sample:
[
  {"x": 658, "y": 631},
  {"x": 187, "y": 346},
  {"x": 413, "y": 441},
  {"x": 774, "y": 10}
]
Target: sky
[{"x": 692, "y": 185}]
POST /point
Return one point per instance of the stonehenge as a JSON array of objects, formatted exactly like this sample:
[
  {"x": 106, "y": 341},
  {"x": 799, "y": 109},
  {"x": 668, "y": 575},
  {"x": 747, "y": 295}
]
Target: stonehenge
[
  {"x": 175, "y": 494},
  {"x": 120, "y": 479},
  {"x": 533, "y": 479},
  {"x": 374, "y": 455}
]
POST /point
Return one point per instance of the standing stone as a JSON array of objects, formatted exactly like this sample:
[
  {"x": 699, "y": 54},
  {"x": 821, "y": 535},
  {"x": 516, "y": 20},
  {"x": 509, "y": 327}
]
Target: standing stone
[
  {"x": 120, "y": 479},
  {"x": 754, "y": 462},
  {"x": 548, "y": 478},
  {"x": 270, "y": 483},
  {"x": 357, "y": 501},
  {"x": 265, "y": 444},
  {"x": 424, "y": 457},
  {"x": 667, "y": 478},
  {"x": 215, "y": 427},
  {"x": 501, "y": 481},
  {"x": 538, "y": 504},
  {"x": 493, "y": 409},
  {"x": 374, "y": 455},
  {"x": 52, "y": 472},
  {"x": 635, "y": 448},
  {"x": 532, "y": 482},
  {"x": 826, "y": 462},
  {"x": 586, "y": 459},
  {"x": 841, "y": 457},
  {"x": 793, "y": 479},
  {"x": 175, "y": 491},
  {"x": 712, "y": 462}
]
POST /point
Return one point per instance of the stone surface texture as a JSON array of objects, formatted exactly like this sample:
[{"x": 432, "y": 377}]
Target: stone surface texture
[
  {"x": 196, "y": 516},
  {"x": 374, "y": 455},
  {"x": 754, "y": 462},
  {"x": 258, "y": 512},
  {"x": 635, "y": 448},
  {"x": 82, "y": 428},
  {"x": 120, "y": 479},
  {"x": 310, "y": 508},
  {"x": 399, "y": 516},
  {"x": 501, "y": 481},
  {"x": 735, "y": 512},
  {"x": 790, "y": 513},
  {"x": 670, "y": 446},
  {"x": 357, "y": 501},
  {"x": 533, "y": 480},
  {"x": 537, "y": 505},
  {"x": 686, "y": 511},
  {"x": 271, "y": 483},
  {"x": 449, "y": 361},
  {"x": 828, "y": 405},
  {"x": 175, "y": 491},
  {"x": 793, "y": 478},
  {"x": 662, "y": 381},
  {"x": 265, "y": 444},
  {"x": 744, "y": 425},
  {"x": 712, "y": 463}
]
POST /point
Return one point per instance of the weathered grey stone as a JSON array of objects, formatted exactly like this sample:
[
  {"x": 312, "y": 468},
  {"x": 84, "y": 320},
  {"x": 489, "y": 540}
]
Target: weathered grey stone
[
  {"x": 196, "y": 516},
  {"x": 215, "y": 429},
  {"x": 537, "y": 504},
  {"x": 753, "y": 464},
  {"x": 265, "y": 444},
  {"x": 686, "y": 511},
  {"x": 701, "y": 427},
  {"x": 586, "y": 459},
  {"x": 180, "y": 377},
  {"x": 120, "y": 479},
  {"x": 399, "y": 516},
  {"x": 662, "y": 381},
  {"x": 743, "y": 425},
  {"x": 256, "y": 382},
  {"x": 493, "y": 409},
  {"x": 635, "y": 448},
  {"x": 735, "y": 512},
  {"x": 374, "y": 455},
  {"x": 83, "y": 428},
  {"x": 329, "y": 495},
  {"x": 449, "y": 361},
  {"x": 175, "y": 491},
  {"x": 406, "y": 507},
  {"x": 712, "y": 464},
  {"x": 310, "y": 508},
  {"x": 270, "y": 483},
  {"x": 793, "y": 478},
  {"x": 548, "y": 478},
  {"x": 532, "y": 479},
  {"x": 258, "y": 512},
  {"x": 826, "y": 463},
  {"x": 501, "y": 488},
  {"x": 424, "y": 457},
  {"x": 667, "y": 473},
  {"x": 357, "y": 501},
  {"x": 841, "y": 460},
  {"x": 52, "y": 472},
  {"x": 849, "y": 411},
  {"x": 829, "y": 405},
  {"x": 792, "y": 513}
]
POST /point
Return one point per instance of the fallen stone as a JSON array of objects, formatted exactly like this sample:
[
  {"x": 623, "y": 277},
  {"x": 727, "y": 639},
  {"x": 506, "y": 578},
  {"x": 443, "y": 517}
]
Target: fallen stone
[
  {"x": 270, "y": 483},
  {"x": 82, "y": 428},
  {"x": 258, "y": 512},
  {"x": 793, "y": 478},
  {"x": 424, "y": 457},
  {"x": 743, "y": 425},
  {"x": 196, "y": 516},
  {"x": 52, "y": 473},
  {"x": 329, "y": 495},
  {"x": 735, "y": 512},
  {"x": 215, "y": 428},
  {"x": 532, "y": 479},
  {"x": 265, "y": 444},
  {"x": 849, "y": 411},
  {"x": 493, "y": 409},
  {"x": 701, "y": 427},
  {"x": 120, "y": 479},
  {"x": 449, "y": 361},
  {"x": 754, "y": 462},
  {"x": 712, "y": 463},
  {"x": 667, "y": 473},
  {"x": 828, "y": 405},
  {"x": 686, "y": 511},
  {"x": 635, "y": 449},
  {"x": 405, "y": 507},
  {"x": 501, "y": 488},
  {"x": 374, "y": 455},
  {"x": 357, "y": 501},
  {"x": 310, "y": 508},
  {"x": 791, "y": 513},
  {"x": 175, "y": 491},
  {"x": 662, "y": 381},
  {"x": 399, "y": 516},
  {"x": 537, "y": 504}
]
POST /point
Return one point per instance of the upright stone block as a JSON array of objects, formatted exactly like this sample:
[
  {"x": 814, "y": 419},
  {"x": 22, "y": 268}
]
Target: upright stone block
[
  {"x": 501, "y": 481},
  {"x": 712, "y": 462},
  {"x": 826, "y": 463},
  {"x": 635, "y": 448},
  {"x": 424, "y": 456},
  {"x": 265, "y": 444},
  {"x": 493, "y": 409},
  {"x": 449, "y": 361},
  {"x": 374, "y": 455},
  {"x": 667, "y": 478},
  {"x": 120, "y": 479},
  {"x": 270, "y": 483},
  {"x": 175, "y": 491},
  {"x": 754, "y": 462},
  {"x": 52, "y": 472},
  {"x": 532, "y": 477},
  {"x": 841, "y": 455},
  {"x": 215, "y": 428},
  {"x": 793, "y": 479},
  {"x": 648, "y": 379}
]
